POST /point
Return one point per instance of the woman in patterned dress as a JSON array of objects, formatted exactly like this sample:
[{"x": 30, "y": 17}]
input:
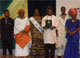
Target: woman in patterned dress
[{"x": 37, "y": 48}]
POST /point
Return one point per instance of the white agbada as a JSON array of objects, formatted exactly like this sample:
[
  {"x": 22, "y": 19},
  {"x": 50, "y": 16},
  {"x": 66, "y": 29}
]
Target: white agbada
[
  {"x": 49, "y": 35},
  {"x": 19, "y": 25},
  {"x": 61, "y": 42},
  {"x": 61, "y": 30}
]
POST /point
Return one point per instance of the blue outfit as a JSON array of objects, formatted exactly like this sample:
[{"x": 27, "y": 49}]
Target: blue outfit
[{"x": 72, "y": 45}]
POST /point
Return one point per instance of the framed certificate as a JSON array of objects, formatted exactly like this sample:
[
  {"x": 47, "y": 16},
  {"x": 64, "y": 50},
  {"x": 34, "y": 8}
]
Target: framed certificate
[{"x": 48, "y": 23}]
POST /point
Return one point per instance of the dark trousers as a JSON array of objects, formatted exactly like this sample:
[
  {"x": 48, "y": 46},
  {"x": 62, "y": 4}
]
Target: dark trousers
[
  {"x": 7, "y": 44},
  {"x": 49, "y": 50}
]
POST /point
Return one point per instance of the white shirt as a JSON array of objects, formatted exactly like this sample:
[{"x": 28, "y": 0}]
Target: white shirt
[
  {"x": 49, "y": 35},
  {"x": 61, "y": 30}
]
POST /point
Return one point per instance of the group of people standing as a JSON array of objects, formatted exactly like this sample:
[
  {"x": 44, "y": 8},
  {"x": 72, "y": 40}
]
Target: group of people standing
[{"x": 41, "y": 36}]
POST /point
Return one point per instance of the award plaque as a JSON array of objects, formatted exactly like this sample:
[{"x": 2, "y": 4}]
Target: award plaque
[{"x": 48, "y": 23}]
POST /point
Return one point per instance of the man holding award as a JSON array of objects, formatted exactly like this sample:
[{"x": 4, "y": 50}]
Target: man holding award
[{"x": 49, "y": 23}]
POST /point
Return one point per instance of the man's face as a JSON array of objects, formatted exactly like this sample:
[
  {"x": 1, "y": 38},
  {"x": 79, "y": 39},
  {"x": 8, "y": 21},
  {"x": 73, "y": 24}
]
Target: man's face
[
  {"x": 63, "y": 10},
  {"x": 7, "y": 14},
  {"x": 21, "y": 14},
  {"x": 50, "y": 12}
]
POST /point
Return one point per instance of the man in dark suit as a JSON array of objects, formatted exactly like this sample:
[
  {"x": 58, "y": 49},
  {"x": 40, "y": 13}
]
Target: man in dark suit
[{"x": 7, "y": 27}]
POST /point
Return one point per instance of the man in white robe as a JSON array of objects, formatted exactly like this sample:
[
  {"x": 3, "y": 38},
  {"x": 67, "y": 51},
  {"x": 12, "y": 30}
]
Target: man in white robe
[
  {"x": 61, "y": 30},
  {"x": 49, "y": 35}
]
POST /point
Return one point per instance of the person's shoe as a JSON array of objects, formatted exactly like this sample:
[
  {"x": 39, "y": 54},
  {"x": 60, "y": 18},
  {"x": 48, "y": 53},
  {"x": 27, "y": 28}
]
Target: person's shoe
[{"x": 59, "y": 56}]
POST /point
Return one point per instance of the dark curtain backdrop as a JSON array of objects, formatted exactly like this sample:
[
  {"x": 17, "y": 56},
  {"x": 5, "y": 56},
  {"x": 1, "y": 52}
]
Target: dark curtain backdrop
[{"x": 41, "y": 5}]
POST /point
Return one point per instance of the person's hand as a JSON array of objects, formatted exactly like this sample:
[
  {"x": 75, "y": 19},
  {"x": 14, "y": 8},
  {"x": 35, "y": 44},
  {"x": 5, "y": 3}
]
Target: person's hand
[
  {"x": 14, "y": 35},
  {"x": 57, "y": 34},
  {"x": 71, "y": 33},
  {"x": 45, "y": 27},
  {"x": 23, "y": 31},
  {"x": 56, "y": 46},
  {"x": 52, "y": 27}
]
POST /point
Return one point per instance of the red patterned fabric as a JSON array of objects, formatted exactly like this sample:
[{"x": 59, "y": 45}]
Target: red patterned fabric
[
  {"x": 72, "y": 11},
  {"x": 23, "y": 38},
  {"x": 20, "y": 11}
]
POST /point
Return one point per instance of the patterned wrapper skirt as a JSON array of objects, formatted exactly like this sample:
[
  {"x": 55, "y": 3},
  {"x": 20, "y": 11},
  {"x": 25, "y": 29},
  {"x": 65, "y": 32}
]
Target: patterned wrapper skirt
[{"x": 37, "y": 48}]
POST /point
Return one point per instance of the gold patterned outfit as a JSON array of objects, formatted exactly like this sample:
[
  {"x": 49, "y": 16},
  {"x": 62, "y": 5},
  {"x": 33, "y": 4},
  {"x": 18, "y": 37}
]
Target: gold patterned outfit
[{"x": 37, "y": 48}]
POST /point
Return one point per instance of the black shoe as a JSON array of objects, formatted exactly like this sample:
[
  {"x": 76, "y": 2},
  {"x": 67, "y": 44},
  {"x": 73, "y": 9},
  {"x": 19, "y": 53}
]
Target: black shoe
[{"x": 59, "y": 57}]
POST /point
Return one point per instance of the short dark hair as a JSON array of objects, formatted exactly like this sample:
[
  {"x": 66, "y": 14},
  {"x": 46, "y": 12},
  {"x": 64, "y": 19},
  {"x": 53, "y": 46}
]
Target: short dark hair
[
  {"x": 63, "y": 7},
  {"x": 49, "y": 8},
  {"x": 6, "y": 11}
]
